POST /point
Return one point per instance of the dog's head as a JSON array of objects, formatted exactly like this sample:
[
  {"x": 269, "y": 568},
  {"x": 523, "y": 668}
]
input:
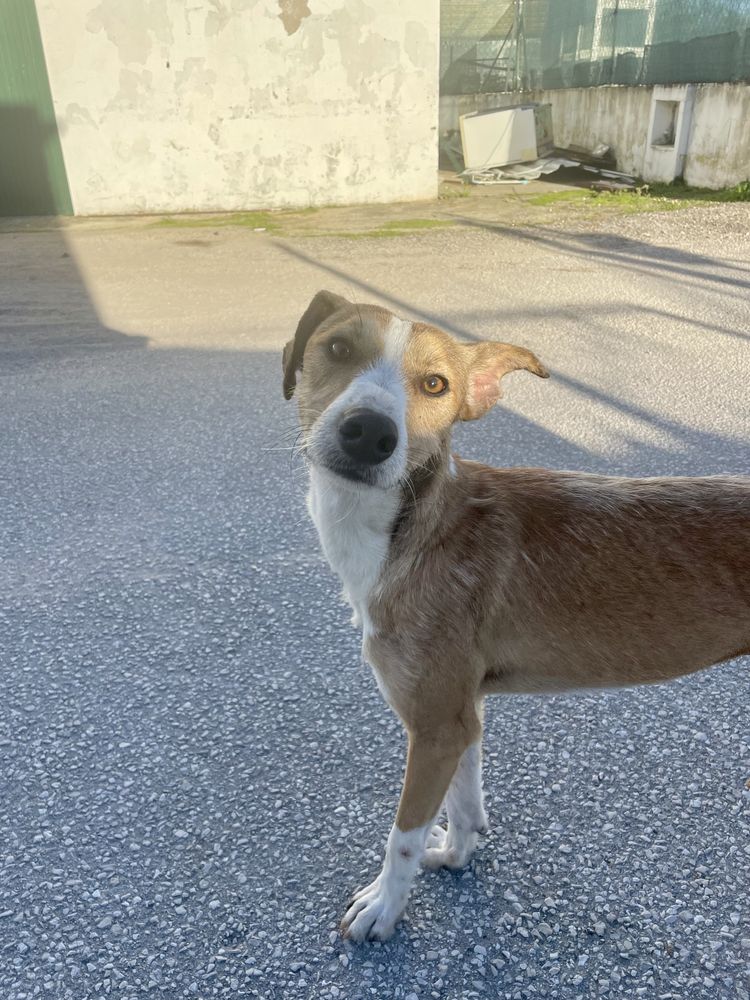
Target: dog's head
[{"x": 378, "y": 395}]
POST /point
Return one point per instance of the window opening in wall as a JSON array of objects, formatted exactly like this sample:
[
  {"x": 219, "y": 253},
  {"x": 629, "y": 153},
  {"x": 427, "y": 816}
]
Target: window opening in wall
[{"x": 665, "y": 123}]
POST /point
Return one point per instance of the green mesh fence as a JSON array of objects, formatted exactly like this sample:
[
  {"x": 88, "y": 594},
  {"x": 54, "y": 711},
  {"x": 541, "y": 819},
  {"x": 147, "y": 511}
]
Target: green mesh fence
[
  {"x": 526, "y": 44},
  {"x": 477, "y": 46}
]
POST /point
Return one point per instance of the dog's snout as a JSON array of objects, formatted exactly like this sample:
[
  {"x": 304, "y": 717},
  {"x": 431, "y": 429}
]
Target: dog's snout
[{"x": 367, "y": 437}]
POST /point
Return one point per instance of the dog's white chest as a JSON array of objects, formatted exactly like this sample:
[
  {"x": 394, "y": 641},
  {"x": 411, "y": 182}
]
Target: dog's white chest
[{"x": 354, "y": 524}]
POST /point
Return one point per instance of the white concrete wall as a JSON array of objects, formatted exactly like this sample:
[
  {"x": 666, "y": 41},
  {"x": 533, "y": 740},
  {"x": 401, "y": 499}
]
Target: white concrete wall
[
  {"x": 718, "y": 144},
  {"x": 165, "y": 106},
  {"x": 718, "y": 151}
]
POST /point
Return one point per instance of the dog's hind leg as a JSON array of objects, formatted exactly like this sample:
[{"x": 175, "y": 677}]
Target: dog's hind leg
[
  {"x": 430, "y": 765},
  {"x": 467, "y": 819}
]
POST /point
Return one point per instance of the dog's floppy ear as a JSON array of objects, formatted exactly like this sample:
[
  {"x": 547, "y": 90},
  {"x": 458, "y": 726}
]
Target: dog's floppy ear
[
  {"x": 486, "y": 364},
  {"x": 323, "y": 305}
]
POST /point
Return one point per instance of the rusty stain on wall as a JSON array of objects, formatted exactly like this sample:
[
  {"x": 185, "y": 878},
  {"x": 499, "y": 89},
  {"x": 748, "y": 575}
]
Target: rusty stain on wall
[{"x": 292, "y": 14}]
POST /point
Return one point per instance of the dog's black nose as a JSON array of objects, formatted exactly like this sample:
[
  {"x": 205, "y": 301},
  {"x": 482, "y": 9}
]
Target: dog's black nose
[{"x": 367, "y": 437}]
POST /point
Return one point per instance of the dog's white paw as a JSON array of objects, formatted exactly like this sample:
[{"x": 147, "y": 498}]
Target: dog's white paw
[
  {"x": 449, "y": 848},
  {"x": 436, "y": 838},
  {"x": 374, "y": 911}
]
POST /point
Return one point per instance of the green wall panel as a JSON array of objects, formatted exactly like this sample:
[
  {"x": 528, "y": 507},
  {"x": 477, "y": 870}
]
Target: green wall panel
[{"x": 33, "y": 180}]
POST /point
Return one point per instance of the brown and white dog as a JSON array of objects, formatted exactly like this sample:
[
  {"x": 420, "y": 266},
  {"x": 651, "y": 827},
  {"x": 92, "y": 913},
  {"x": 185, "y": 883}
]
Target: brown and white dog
[{"x": 469, "y": 580}]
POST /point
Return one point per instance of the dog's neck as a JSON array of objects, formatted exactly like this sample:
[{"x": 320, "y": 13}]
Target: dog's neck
[
  {"x": 358, "y": 525},
  {"x": 354, "y": 524}
]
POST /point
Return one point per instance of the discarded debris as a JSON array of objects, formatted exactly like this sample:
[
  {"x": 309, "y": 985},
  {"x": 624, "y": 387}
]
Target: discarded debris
[
  {"x": 524, "y": 172},
  {"x": 611, "y": 186},
  {"x": 516, "y": 172},
  {"x": 514, "y": 145}
]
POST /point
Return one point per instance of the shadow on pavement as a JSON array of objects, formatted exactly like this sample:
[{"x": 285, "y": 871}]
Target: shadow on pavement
[
  {"x": 352, "y": 282},
  {"x": 624, "y": 251},
  {"x": 572, "y": 312},
  {"x": 47, "y": 313}
]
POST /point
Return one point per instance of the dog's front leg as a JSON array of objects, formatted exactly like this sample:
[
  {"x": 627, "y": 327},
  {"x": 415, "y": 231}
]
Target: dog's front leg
[
  {"x": 464, "y": 805},
  {"x": 430, "y": 765}
]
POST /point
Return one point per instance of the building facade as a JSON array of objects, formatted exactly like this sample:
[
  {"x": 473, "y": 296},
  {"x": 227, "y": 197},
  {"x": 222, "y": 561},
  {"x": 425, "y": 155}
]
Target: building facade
[{"x": 162, "y": 106}]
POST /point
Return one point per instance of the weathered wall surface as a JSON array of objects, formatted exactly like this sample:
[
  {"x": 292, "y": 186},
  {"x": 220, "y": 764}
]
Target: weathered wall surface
[
  {"x": 585, "y": 117},
  {"x": 718, "y": 150},
  {"x": 237, "y": 104},
  {"x": 718, "y": 153}
]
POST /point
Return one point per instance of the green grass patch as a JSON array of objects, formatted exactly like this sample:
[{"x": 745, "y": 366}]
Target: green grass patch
[
  {"x": 682, "y": 192},
  {"x": 646, "y": 198},
  {"x": 631, "y": 202},
  {"x": 625, "y": 202}
]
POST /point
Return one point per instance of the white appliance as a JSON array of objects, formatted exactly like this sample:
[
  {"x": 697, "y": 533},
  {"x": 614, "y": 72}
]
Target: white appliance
[{"x": 505, "y": 135}]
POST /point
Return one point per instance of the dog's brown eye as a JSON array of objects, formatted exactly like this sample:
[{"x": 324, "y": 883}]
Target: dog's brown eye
[
  {"x": 434, "y": 385},
  {"x": 339, "y": 349}
]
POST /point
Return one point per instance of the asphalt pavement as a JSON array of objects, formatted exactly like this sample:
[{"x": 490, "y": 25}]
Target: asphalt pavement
[{"x": 195, "y": 768}]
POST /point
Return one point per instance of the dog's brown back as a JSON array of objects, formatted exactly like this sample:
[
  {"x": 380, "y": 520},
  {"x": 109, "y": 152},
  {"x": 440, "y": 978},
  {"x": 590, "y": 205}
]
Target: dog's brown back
[{"x": 574, "y": 580}]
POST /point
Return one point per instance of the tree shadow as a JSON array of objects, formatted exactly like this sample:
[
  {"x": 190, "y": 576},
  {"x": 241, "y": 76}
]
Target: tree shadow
[
  {"x": 624, "y": 251},
  {"x": 352, "y": 281},
  {"x": 605, "y": 311}
]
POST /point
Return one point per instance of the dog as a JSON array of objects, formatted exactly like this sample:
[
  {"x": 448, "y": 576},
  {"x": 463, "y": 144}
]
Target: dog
[{"x": 468, "y": 580}]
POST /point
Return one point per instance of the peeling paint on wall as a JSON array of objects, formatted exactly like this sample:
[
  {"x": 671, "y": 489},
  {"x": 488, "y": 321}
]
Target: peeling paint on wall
[
  {"x": 211, "y": 106},
  {"x": 292, "y": 14},
  {"x": 132, "y": 28}
]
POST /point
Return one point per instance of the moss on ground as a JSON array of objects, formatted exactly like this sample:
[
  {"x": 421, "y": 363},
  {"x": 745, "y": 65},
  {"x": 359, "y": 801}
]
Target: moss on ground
[
  {"x": 294, "y": 223},
  {"x": 283, "y": 223},
  {"x": 399, "y": 227},
  {"x": 272, "y": 222},
  {"x": 252, "y": 220}
]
